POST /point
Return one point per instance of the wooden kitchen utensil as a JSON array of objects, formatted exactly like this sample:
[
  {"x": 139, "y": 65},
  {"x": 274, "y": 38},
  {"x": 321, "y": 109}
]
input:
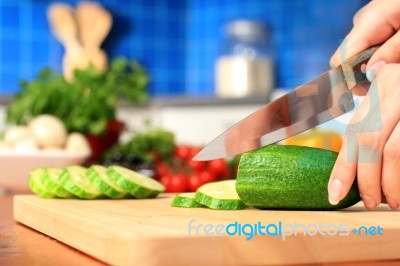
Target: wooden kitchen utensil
[
  {"x": 63, "y": 26},
  {"x": 151, "y": 232},
  {"x": 94, "y": 23}
]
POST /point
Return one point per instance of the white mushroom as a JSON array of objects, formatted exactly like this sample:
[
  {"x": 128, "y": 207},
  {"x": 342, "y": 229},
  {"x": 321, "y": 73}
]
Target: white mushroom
[
  {"x": 4, "y": 145},
  {"x": 48, "y": 131},
  {"x": 27, "y": 143},
  {"x": 77, "y": 143},
  {"x": 15, "y": 133}
]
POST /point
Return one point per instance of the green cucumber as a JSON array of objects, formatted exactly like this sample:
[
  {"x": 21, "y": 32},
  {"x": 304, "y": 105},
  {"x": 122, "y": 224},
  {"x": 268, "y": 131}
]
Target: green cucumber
[
  {"x": 186, "y": 200},
  {"x": 75, "y": 180},
  {"x": 51, "y": 181},
  {"x": 97, "y": 175},
  {"x": 35, "y": 183},
  {"x": 138, "y": 185},
  {"x": 289, "y": 178},
  {"x": 219, "y": 195}
]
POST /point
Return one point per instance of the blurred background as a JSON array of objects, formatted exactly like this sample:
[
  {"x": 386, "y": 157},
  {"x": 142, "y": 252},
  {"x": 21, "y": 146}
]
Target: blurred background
[
  {"x": 147, "y": 83},
  {"x": 179, "y": 41}
]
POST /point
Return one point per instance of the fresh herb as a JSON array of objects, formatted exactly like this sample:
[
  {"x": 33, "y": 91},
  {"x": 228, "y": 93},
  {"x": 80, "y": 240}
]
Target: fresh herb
[
  {"x": 88, "y": 102},
  {"x": 147, "y": 146}
]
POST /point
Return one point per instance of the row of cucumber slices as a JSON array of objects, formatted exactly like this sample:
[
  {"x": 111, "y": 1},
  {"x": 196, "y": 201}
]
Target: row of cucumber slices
[
  {"x": 219, "y": 195},
  {"x": 95, "y": 182}
]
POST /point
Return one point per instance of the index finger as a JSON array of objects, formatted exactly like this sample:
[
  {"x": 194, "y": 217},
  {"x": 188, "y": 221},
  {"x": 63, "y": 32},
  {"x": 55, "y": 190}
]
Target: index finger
[{"x": 377, "y": 22}]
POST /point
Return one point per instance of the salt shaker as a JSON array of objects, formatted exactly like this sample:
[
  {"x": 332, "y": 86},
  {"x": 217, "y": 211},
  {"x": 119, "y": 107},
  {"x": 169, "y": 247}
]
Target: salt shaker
[{"x": 245, "y": 65}]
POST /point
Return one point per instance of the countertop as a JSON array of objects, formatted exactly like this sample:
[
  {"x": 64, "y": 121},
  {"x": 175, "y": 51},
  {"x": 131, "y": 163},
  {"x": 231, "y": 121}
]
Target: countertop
[{"x": 20, "y": 245}]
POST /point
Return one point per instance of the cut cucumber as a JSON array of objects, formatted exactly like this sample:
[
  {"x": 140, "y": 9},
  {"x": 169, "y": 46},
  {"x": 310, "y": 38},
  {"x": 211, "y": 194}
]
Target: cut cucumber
[
  {"x": 75, "y": 180},
  {"x": 219, "y": 196},
  {"x": 36, "y": 183},
  {"x": 138, "y": 185},
  {"x": 97, "y": 175},
  {"x": 186, "y": 200},
  {"x": 51, "y": 181},
  {"x": 289, "y": 177}
]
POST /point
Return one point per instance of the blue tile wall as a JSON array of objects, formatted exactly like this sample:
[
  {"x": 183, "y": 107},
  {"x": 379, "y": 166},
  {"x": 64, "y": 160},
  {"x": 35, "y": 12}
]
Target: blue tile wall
[
  {"x": 151, "y": 31},
  {"x": 178, "y": 40},
  {"x": 304, "y": 33}
]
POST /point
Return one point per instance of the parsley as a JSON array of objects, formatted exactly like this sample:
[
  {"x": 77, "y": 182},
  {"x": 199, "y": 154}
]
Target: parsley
[{"x": 88, "y": 102}]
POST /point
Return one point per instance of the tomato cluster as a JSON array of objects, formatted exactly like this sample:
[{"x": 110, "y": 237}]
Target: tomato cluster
[{"x": 182, "y": 174}]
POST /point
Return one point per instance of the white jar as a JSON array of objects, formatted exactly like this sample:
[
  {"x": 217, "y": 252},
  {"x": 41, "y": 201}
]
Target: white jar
[{"x": 245, "y": 66}]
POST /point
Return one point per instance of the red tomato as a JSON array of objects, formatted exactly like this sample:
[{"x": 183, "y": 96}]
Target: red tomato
[
  {"x": 219, "y": 168},
  {"x": 207, "y": 176},
  {"x": 197, "y": 165},
  {"x": 195, "y": 182},
  {"x": 182, "y": 152},
  {"x": 165, "y": 180},
  {"x": 194, "y": 151},
  {"x": 178, "y": 183},
  {"x": 162, "y": 169}
]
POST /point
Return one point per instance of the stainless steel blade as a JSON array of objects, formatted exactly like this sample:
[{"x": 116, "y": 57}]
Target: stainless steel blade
[{"x": 309, "y": 105}]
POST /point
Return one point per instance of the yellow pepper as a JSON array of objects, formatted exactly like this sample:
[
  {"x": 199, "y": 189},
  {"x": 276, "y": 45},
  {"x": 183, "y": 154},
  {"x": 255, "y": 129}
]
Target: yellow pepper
[{"x": 324, "y": 139}]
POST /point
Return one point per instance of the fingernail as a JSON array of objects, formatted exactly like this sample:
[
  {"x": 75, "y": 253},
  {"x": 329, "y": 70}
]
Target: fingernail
[
  {"x": 335, "y": 191},
  {"x": 374, "y": 69},
  {"x": 369, "y": 202},
  {"x": 392, "y": 203}
]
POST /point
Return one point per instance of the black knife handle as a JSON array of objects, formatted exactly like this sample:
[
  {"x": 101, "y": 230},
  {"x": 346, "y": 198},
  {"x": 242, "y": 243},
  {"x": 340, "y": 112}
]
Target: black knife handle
[{"x": 353, "y": 75}]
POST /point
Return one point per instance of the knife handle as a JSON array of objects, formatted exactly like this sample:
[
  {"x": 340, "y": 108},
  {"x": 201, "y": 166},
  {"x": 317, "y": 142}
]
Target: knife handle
[{"x": 352, "y": 68}]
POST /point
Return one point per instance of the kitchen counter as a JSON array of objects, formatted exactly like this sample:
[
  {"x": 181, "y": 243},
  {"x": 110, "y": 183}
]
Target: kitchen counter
[{"x": 20, "y": 245}]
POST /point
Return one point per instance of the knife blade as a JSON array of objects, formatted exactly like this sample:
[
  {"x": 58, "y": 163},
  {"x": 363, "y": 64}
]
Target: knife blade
[{"x": 311, "y": 104}]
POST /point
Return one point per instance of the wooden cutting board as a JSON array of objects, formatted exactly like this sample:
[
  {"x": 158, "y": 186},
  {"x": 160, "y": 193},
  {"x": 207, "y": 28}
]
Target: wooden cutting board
[{"x": 150, "y": 232}]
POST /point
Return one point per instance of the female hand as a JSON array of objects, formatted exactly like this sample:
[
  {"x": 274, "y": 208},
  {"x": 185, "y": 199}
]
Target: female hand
[{"x": 371, "y": 147}]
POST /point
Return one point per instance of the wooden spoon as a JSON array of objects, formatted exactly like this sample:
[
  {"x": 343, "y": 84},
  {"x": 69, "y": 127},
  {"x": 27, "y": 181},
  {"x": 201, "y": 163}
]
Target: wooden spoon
[
  {"x": 94, "y": 24},
  {"x": 63, "y": 26}
]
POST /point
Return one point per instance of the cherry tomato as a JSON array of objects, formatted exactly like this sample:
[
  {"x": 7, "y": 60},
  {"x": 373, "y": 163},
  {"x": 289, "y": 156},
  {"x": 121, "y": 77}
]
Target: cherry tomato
[
  {"x": 165, "y": 180},
  {"x": 182, "y": 152},
  {"x": 162, "y": 169},
  {"x": 194, "y": 151},
  {"x": 197, "y": 165},
  {"x": 207, "y": 176},
  {"x": 178, "y": 183},
  {"x": 219, "y": 168},
  {"x": 195, "y": 182}
]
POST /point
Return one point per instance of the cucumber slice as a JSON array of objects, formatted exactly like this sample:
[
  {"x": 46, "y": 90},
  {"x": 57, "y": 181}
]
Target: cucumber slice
[
  {"x": 138, "y": 185},
  {"x": 51, "y": 181},
  {"x": 185, "y": 200},
  {"x": 36, "y": 183},
  {"x": 74, "y": 180},
  {"x": 97, "y": 175},
  {"x": 219, "y": 196}
]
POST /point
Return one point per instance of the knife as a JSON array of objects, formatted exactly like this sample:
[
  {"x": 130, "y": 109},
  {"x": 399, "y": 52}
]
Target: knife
[{"x": 313, "y": 103}]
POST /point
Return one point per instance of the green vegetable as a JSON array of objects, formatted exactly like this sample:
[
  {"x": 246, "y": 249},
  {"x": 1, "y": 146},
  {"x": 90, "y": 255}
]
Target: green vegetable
[
  {"x": 219, "y": 195},
  {"x": 75, "y": 180},
  {"x": 97, "y": 175},
  {"x": 36, "y": 183},
  {"x": 143, "y": 145},
  {"x": 52, "y": 183},
  {"x": 289, "y": 177},
  {"x": 136, "y": 184},
  {"x": 185, "y": 200},
  {"x": 87, "y": 103}
]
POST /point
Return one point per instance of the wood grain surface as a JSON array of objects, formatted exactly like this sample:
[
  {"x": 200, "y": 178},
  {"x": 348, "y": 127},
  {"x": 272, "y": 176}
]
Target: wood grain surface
[{"x": 150, "y": 232}]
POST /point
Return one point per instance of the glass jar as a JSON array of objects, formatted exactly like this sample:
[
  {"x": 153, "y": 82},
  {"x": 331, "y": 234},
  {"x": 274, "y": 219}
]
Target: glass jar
[{"x": 245, "y": 66}]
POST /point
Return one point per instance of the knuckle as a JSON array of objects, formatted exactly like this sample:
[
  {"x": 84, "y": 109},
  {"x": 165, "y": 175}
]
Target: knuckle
[
  {"x": 352, "y": 129},
  {"x": 365, "y": 185},
  {"x": 390, "y": 192},
  {"x": 391, "y": 151},
  {"x": 369, "y": 139}
]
